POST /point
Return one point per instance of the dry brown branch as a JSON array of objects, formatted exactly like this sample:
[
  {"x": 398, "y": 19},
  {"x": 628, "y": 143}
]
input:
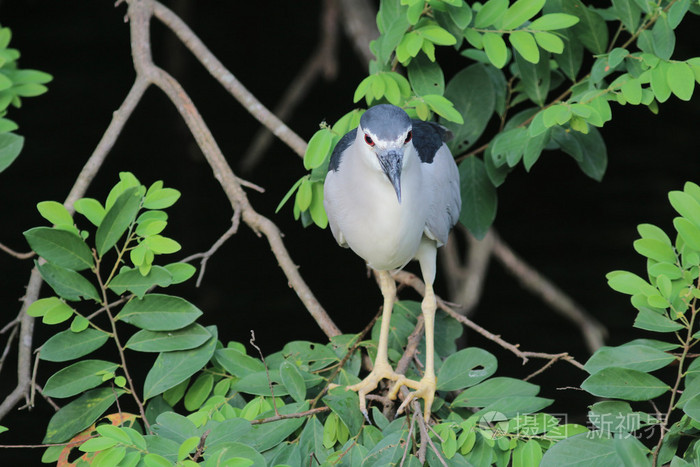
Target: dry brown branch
[
  {"x": 593, "y": 331},
  {"x": 139, "y": 14},
  {"x": 210, "y": 252},
  {"x": 360, "y": 23},
  {"x": 323, "y": 61},
  {"x": 275, "y": 418},
  {"x": 16, "y": 254},
  {"x": 413, "y": 281},
  {"x": 227, "y": 79}
]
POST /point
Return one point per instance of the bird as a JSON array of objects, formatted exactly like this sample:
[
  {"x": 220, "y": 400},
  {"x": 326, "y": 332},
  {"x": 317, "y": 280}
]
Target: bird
[{"x": 392, "y": 195}]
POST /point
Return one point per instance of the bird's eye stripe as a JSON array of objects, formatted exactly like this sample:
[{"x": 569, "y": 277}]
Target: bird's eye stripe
[{"x": 368, "y": 140}]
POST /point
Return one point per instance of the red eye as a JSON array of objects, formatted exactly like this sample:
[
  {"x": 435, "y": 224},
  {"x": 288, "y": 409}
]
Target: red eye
[
  {"x": 368, "y": 140},
  {"x": 408, "y": 137}
]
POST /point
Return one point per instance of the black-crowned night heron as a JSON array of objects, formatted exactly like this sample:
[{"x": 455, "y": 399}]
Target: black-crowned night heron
[{"x": 392, "y": 195}]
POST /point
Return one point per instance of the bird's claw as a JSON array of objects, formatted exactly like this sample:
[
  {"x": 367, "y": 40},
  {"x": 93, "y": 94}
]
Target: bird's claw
[{"x": 423, "y": 389}]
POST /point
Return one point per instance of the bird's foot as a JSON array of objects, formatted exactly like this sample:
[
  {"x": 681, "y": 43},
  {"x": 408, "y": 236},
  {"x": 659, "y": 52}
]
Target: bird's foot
[
  {"x": 423, "y": 389},
  {"x": 381, "y": 371}
]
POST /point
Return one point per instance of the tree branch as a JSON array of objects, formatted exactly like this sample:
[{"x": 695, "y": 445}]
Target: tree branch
[{"x": 139, "y": 14}]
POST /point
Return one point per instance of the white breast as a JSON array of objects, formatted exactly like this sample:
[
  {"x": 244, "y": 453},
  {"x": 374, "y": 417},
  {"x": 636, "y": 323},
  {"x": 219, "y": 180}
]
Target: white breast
[{"x": 384, "y": 232}]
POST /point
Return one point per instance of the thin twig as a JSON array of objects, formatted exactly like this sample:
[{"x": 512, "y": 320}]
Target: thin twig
[
  {"x": 323, "y": 61},
  {"x": 267, "y": 370},
  {"x": 140, "y": 13},
  {"x": 227, "y": 79},
  {"x": 290, "y": 415},
  {"x": 413, "y": 281},
  {"x": 210, "y": 252},
  {"x": 16, "y": 254},
  {"x": 200, "y": 446},
  {"x": 8, "y": 344}
]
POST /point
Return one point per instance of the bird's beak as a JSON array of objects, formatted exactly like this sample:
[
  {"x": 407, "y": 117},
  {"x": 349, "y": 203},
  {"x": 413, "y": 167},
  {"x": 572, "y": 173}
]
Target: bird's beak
[{"x": 391, "y": 162}]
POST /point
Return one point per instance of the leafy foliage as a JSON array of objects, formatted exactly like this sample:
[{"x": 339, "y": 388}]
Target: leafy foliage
[
  {"x": 666, "y": 302},
  {"x": 546, "y": 70},
  {"x": 15, "y": 84},
  {"x": 203, "y": 401}
]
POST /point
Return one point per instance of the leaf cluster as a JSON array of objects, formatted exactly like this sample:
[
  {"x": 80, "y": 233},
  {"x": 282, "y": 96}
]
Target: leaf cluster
[
  {"x": 667, "y": 303},
  {"x": 206, "y": 402},
  {"x": 546, "y": 71},
  {"x": 15, "y": 84}
]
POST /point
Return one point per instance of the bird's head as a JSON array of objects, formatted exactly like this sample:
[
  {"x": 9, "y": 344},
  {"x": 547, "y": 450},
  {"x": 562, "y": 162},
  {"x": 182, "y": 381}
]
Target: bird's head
[{"x": 385, "y": 132}]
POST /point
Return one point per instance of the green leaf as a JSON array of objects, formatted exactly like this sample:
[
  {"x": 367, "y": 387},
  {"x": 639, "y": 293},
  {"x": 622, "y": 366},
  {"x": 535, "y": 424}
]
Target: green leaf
[
  {"x": 67, "y": 283},
  {"x": 629, "y": 13},
  {"x": 624, "y": 383},
  {"x": 570, "y": 59},
  {"x": 519, "y": 12},
  {"x": 495, "y": 48},
  {"x": 681, "y": 80},
  {"x": 80, "y": 414},
  {"x": 443, "y": 107},
  {"x": 535, "y": 78},
  {"x": 138, "y": 284},
  {"x": 474, "y": 96},
  {"x": 491, "y": 12},
  {"x": 508, "y": 146},
  {"x": 10, "y": 147},
  {"x": 635, "y": 357},
  {"x": 656, "y": 250},
  {"x": 199, "y": 391},
  {"x": 180, "y": 272},
  {"x": 186, "y": 338},
  {"x": 591, "y": 30},
  {"x": 632, "y": 91},
  {"x": 687, "y": 206},
  {"x": 436, "y": 35},
  {"x": 618, "y": 417},
  {"x": 68, "y": 345},
  {"x": 345, "y": 404},
  {"x": 171, "y": 368},
  {"x": 553, "y": 21},
  {"x": 91, "y": 209},
  {"x": 238, "y": 363},
  {"x": 78, "y": 377},
  {"x": 426, "y": 77},
  {"x": 580, "y": 450},
  {"x": 549, "y": 42},
  {"x": 150, "y": 227},
  {"x": 293, "y": 381},
  {"x": 304, "y": 195},
  {"x": 157, "y": 312},
  {"x": 318, "y": 148},
  {"x": 316, "y": 209},
  {"x": 653, "y": 321},
  {"x": 54, "y": 212},
  {"x": 161, "y": 245},
  {"x": 117, "y": 219},
  {"x": 588, "y": 150},
  {"x": 466, "y": 368},
  {"x": 60, "y": 247},
  {"x": 688, "y": 231},
  {"x": 267, "y": 435},
  {"x": 659, "y": 81},
  {"x": 479, "y": 199},
  {"x": 160, "y": 198},
  {"x": 493, "y": 390},
  {"x": 664, "y": 40},
  {"x": 527, "y": 454},
  {"x": 97, "y": 444},
  {"x": 629, "y": 283}
]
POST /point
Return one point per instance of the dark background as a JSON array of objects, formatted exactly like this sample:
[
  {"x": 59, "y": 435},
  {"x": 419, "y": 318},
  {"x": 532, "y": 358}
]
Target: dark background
[{"x": 569, "y": 227}]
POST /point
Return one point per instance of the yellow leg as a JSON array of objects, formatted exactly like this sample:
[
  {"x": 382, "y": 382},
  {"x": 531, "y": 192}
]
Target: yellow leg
[
  {"x": 382, "y": 369},
  {"x": 425, "y": 388}
]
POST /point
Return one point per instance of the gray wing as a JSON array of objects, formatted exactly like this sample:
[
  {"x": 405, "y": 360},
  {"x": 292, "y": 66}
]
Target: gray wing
[{"x": 442, "y": 184}]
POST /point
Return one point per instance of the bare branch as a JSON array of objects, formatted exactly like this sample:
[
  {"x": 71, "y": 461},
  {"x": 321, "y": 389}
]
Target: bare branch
[
  {"x": 139, "y": 14},
  {"x": 16, "y": 254},
  {"x": 227, "y": 79},
  {"x": 413, "y": 281},
  {"x": 323, "y": 61},
  {"x": 291, "y": 415},
  {"x": 593, "y": 331}
]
